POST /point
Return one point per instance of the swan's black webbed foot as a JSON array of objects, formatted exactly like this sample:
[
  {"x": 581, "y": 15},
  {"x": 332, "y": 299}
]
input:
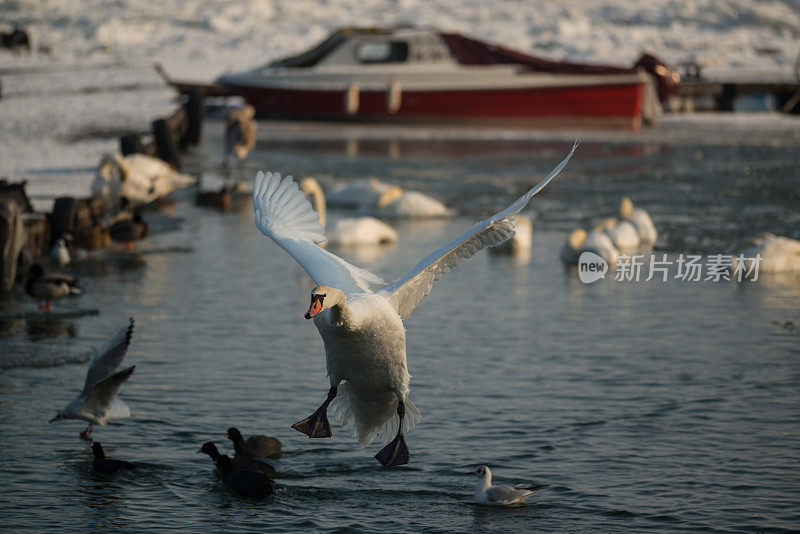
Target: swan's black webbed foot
[
  {"x": 396, "y": 452},
  {"x": 317, "y": 425}
]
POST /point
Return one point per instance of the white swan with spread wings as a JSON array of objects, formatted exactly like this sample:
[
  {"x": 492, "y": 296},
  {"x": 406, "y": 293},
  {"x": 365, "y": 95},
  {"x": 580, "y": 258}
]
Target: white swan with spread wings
[{"x": 363, "y": 332}]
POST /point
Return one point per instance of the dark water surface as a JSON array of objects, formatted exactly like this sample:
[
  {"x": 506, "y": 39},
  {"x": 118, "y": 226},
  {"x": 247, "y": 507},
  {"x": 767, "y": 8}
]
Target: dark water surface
[{"x": 646, "y": 406}]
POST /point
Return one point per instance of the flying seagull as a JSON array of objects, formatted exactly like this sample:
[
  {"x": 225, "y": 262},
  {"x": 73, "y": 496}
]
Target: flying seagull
[{"x": 98, "y": 401}]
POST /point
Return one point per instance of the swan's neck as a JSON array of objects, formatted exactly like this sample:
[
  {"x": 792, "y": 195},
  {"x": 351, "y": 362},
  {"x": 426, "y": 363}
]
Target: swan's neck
[
  {"x": 311, "y": 187},
  {"x": 341, "y": 316}
]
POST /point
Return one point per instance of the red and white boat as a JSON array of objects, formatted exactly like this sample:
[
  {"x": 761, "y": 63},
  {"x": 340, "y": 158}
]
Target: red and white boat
[{"x": 422, "y": 74}]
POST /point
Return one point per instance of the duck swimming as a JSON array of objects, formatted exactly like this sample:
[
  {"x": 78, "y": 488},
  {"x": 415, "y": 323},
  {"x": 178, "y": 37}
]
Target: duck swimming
[{"x": 362, "y": 331}]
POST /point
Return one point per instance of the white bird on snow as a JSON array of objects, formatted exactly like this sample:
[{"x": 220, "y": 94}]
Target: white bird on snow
[
  {"x": 485, "y": 493},
  {"x": 98, "y": 402},
  {"x": 363, "y": 332}
]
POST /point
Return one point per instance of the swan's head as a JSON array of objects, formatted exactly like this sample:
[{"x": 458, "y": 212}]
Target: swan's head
[
  {"x": 625, "y": 208},
  {"x": 576, "y": 238},
  {"x": 609, "y": 223},
  {"x": 323, "y": 298},
  {"x": 388, "y": 196}
]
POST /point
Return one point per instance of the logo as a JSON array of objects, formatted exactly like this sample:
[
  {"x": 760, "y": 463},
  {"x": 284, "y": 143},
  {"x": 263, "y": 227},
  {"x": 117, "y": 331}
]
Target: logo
[{"x": 591, "y": 267}]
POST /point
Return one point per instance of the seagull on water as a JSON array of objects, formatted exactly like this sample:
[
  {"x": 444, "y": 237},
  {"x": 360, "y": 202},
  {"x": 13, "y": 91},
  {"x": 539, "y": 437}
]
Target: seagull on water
[
  {"x": 485, "y": 493},
  {"x": 98, "y": 402}
]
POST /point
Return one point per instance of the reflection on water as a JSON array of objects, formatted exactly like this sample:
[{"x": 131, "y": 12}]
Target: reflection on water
[{"x": 650, "y": 406}]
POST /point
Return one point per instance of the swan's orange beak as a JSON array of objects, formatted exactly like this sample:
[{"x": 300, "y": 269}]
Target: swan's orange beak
[{"x": 316, "y": 306}]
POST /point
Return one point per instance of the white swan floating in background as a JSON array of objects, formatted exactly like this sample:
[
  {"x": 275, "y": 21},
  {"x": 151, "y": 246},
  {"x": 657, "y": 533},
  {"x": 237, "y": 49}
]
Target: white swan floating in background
[
  {"x": 352, "y": 231},
  {"x": 623, "y": 234},
  {"x": 778, "y": 255},
  {"x": 395, "y": 203},
  {"x": 138, "y": 177},
  {"x": 641, "y": 221},
  {"x": 362, "y": 331},
  {"x": 579, "y": 241},
  {"x": 357, "y": 193}
]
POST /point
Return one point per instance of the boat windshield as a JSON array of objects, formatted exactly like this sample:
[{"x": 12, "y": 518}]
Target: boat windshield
[
  {"x": 382, "y": 52},
  {"x": 311, "y": 57}
]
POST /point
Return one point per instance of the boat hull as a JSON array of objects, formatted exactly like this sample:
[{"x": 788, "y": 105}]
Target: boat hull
[{"x": 615, "y": 104}]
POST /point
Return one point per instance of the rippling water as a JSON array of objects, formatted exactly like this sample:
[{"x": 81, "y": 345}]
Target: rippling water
[{"x": 646, "y": 407}]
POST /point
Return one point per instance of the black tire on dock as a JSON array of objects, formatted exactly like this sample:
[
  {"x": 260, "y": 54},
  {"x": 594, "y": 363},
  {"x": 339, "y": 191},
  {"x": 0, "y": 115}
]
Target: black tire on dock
[
  {"x": 167, "y": 146},
  {"x": 195, "y": 112},
  {"x": 62, "y": 219},
  {"x": 131, "y": 143}
]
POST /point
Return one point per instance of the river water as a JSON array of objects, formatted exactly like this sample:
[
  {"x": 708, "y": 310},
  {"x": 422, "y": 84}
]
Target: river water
[{"x": 646, "y": 406}]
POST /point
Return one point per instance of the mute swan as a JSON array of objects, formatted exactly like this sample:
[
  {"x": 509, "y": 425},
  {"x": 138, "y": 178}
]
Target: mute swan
[
  {"x": 138, "y": 177},
  {"x": 395, "y": 203},
  {"x": 522, "y": 240},
  {"x": 351, "y": 231},
  {"x": 240, "y": 133},
  {"x": 362, "y": 331},
  {"x": 49, "y": 286},
  {"x": 778, "y": 254},
  {"x": 640, "y": 219},
  {"x": 356, "y": 193},
  {"x": 622, "y": 233},
  {"x": 98, "y": 402},
  {"x": 485, "y": 493},
  {"x": 579, "y": 241}
]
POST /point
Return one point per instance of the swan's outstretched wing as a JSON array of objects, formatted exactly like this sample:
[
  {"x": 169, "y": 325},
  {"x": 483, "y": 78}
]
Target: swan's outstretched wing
[
  {"x": 284, "y": 213},
  {"x": 406, "y": 293},
  {"x": 108, "y": 357}
]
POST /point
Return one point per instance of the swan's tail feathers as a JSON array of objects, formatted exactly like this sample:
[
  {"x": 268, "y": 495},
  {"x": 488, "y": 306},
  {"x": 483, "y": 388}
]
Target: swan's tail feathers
[
  {"x": 371, "y": 418},
  {"x": 282, "y": 210}
]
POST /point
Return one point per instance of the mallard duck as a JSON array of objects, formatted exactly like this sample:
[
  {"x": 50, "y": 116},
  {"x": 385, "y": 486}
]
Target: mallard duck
[
  {"x": 50, "y": 286},
  {"x": 127, "y": 231}
]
